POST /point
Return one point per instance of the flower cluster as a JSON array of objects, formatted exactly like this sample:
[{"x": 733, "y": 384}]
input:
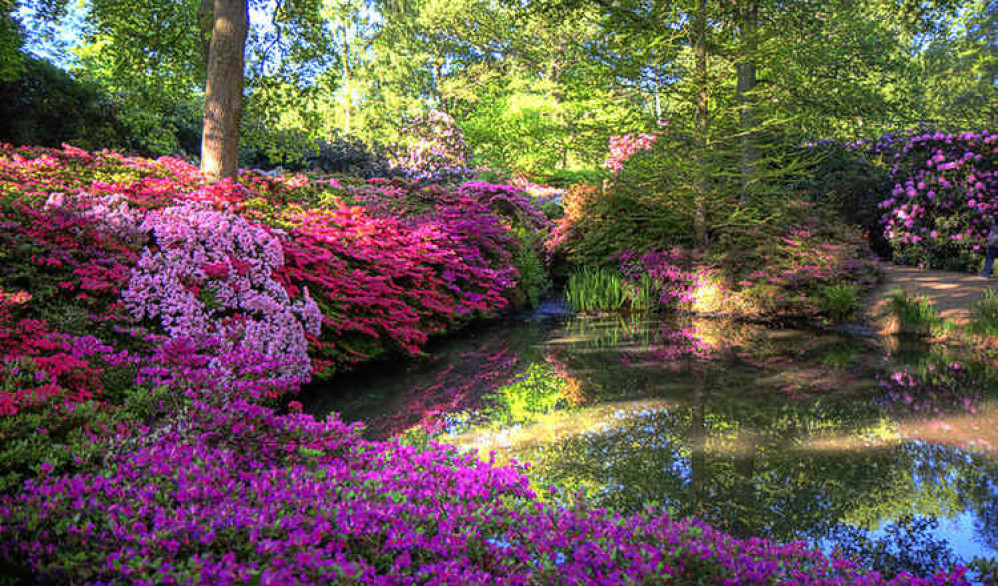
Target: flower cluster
[
  {"x": 577, "y": 203},
  {"x": 209, "y": 278},
  {"x": 436, "y": 150},
  {"x": 509, "y": 201},
  {"x": 673, "y": 273},
  {"x": 40, "y": 367},
  {"x": 625, "y": 146}
]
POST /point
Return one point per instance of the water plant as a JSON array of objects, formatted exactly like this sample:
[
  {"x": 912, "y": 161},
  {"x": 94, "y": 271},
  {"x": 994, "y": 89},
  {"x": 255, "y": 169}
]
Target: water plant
[
  {"x": 984, "y": 315},
  {"x": 595, "y": 289},
  {"x": 839, "y": 301},
  {"x": 913, "y": 315},
  {"x": 602, "y": 290}
]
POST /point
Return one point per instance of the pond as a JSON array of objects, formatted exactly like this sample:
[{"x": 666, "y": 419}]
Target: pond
[{"x": 885, "y": 450}]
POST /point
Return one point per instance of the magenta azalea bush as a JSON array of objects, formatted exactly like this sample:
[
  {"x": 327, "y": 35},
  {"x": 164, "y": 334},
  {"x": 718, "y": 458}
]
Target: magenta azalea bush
[
  {"x": 240, "y": 493},
  {"x": 148, "y": 322}
]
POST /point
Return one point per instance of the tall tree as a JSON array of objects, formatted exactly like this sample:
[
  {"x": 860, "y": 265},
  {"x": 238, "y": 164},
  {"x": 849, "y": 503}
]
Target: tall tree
[{"x": 223, "y": 93}]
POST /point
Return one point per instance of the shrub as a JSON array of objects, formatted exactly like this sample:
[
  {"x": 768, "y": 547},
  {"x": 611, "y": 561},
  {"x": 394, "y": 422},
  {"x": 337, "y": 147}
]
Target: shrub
[
  {"x": 239, "y": 494},
  {"x": 848, "y": 183},
  {"x": 293, "y": 151},
  {"x": 45, "y": 106},
  {"x": 943, "y": 189},
  {"x": 533, "y": 281},
  {"x": 565, "y": 178}
]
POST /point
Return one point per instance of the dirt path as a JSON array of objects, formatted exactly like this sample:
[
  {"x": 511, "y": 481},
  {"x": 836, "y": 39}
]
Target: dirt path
[{"x": 952, "y": 293}]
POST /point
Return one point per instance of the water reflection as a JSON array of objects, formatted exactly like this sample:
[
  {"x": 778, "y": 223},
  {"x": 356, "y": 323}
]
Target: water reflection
[{"x": 884, "y": 451}]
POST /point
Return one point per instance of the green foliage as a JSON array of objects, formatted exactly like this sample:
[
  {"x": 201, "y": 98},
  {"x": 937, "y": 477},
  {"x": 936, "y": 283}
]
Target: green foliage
[
  {"x": 984, "y": 315},
  {"x": 11, "y": 39},
  {"x": 839, "y": 301},
  {"x": 47, "y": 107},
  {"x": 533, "y": 281},
  {"x": 913, "y": 315},
  {"x": 293, "y": 150},
  {"x": 60, "y": 437},
  {"x": 600, "y": 290},
  {"x": 568, "y": 177},
  {"x": 848, "y": 185}
]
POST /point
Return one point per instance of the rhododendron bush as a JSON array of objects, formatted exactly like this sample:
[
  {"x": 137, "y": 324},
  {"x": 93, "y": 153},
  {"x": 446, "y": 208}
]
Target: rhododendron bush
[{"x": 944, "y": 188}]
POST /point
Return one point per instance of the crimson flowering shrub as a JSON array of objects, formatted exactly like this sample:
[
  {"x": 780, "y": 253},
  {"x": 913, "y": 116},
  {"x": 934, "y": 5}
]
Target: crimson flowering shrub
[
  {"x": 41, "y": 366},
  {"x": 945, "y": 186},
  {"x": 388, "y": 281},
  {"x": 408, "y": 260}
]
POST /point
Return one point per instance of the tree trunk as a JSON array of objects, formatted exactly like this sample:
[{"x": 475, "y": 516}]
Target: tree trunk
[
  {"x": 746, "y": 69},
  {"x": 702, "y": 124},
  {"x": 223, "y": 93},
  {"x": 347, "y": 82}
]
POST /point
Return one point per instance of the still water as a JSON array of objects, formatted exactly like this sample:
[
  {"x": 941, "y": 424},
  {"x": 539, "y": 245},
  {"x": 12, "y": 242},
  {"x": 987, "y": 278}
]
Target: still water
[{"x": 885, "y": 450}]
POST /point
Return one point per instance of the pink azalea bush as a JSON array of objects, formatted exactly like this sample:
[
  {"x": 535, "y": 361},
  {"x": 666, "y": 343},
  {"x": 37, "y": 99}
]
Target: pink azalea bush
[
  {"x": 210, "y": 278},
  {"x": 625, "y": 146},
  {"x": 434, "y": 149}
]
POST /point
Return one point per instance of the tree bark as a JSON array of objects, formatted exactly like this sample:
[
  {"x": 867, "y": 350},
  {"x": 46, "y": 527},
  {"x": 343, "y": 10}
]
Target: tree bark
[
  {"x": 223, "y": 93},
  {"x": 702, "y": 123},
  {"x": 746, "y": 70}
]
